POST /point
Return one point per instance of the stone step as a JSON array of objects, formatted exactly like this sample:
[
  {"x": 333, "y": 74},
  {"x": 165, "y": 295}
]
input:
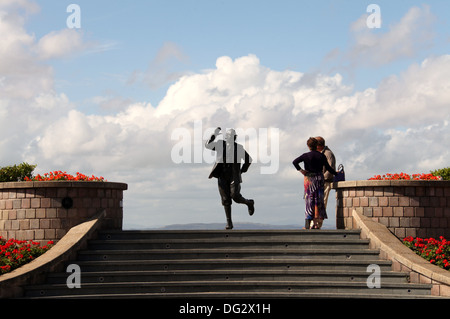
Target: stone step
[
  {"x": 294, "y": 243},
  {"x": 224, "y": 264},
  {"x": 236, "y": 253},
  {"x": 224, "y": 239},
  {"x": 249, "y": 287},
  {"x": 225, "y": 234},
  {"x": 220, "y": 275},
  {"x": 241, "y": 296},
  {"x": 245, "y": 263}
]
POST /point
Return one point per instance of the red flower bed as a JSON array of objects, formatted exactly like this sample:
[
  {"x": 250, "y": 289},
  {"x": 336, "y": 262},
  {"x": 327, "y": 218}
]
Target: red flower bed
[
  {"x": 435, "y": 251},
  {"x": 15, "y": 253},
  {"x": 63, "y": 176},
  {"x": 403, "y": 176}
]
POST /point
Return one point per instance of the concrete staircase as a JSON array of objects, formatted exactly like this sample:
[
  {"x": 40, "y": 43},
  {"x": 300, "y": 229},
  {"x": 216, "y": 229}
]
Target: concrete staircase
[{"x": 229, "y": 264}]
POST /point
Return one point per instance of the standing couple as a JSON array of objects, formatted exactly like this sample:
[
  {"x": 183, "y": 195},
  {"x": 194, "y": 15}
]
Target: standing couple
[
  {"x": 228, "y": 170},
  {"x": 319, "y": 165}
]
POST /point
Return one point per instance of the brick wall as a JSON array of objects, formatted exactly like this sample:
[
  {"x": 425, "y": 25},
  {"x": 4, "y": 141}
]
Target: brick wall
[
  {"x": 43, "y": 211},
  {"x": 407, "y": 208}
]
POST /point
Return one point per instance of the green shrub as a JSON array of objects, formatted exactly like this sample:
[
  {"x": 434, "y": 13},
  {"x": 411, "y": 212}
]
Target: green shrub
[
  {"x": 443, "y": 172},
  {"x": 16, "y": 173}
]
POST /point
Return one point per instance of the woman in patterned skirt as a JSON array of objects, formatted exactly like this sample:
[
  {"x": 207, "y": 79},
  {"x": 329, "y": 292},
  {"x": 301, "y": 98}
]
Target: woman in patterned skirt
[{"x": 314, "y": 161}]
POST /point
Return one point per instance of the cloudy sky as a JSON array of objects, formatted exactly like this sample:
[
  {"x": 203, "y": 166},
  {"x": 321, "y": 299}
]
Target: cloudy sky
[{"x": 129, "y": 91}]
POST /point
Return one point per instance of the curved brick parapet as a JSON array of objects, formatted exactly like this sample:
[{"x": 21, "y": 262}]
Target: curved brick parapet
[
  {"x": 407, "y": 208},
  {"x": 46, "y": 210},
  {"x": 12, "y": 284},
  {"x": 403, "y": 258}
]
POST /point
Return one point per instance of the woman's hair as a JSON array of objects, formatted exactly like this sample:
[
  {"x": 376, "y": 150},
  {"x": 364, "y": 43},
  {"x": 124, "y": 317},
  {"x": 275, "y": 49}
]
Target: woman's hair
[
  {"x": 312, "y": 143},
  {"x": 320, "y": 141}
]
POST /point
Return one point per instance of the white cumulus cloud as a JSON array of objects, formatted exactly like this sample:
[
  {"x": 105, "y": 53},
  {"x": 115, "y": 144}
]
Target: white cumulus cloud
[
  {"x": 58, "y": 44},
  {"x": 394, "y": 127}
]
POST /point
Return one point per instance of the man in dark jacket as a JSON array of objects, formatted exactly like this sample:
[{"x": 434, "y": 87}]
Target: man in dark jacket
[{"x": 227, "y": 169}]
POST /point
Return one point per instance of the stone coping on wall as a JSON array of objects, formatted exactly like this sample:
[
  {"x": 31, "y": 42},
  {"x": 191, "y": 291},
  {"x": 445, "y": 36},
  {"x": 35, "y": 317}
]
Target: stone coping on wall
[
  {"x": 12, "y": 283},
  {"x": 79, "y": 184},
  {"x": 386, "y": 183},
  {"x": 403, "y": 258}
]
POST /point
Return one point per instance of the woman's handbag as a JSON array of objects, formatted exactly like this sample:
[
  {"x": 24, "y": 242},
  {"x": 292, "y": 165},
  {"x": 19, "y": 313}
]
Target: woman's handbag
[{"x": 340, "y": 177}]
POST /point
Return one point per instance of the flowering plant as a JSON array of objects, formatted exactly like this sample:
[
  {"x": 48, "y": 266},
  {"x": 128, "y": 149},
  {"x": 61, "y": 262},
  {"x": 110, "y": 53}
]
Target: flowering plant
[
  {"x": 15, "y": 253},
  {"x": 63, "y": 176},
  {"x": 16, "y": 172},
  {"x": 403, "y": 176},
  {"x": 435, "y": 251}
]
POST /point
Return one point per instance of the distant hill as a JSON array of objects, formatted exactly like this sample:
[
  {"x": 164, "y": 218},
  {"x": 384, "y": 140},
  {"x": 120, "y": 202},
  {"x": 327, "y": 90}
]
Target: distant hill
[{"x": 214, "y": 226}]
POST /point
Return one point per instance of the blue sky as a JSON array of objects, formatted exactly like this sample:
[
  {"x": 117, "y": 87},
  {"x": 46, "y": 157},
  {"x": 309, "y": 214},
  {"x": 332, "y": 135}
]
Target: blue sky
[
  {"x": 295, "y": 35},
  {"x": 106, "y": 98}
]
